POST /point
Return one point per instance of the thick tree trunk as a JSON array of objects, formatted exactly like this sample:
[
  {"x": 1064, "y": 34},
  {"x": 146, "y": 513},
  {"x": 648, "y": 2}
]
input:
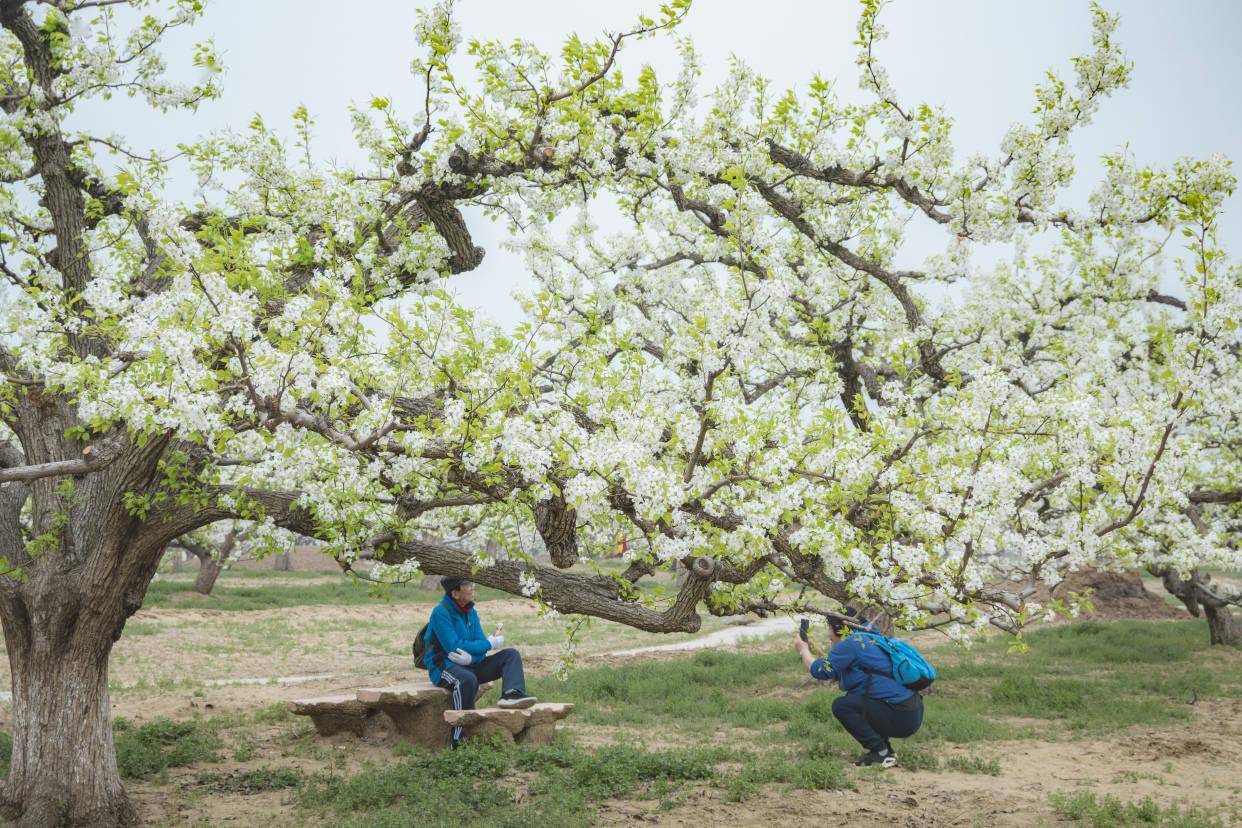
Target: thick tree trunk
[
  {"x": 1223, "y": 628},
  {"x": 208, "y": 572},
  {"x": 63, "y": 768}
]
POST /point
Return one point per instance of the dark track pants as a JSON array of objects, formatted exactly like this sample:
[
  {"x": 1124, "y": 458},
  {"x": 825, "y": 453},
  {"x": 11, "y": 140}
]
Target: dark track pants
[
  {"x": 873, "y": 722},
  {"x": 463, "y": 682}
]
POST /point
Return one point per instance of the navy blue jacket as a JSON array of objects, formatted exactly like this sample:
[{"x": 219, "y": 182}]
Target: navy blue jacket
[
  {"x": 454, "y": 630},
  {"x": 853, "y": 663}
]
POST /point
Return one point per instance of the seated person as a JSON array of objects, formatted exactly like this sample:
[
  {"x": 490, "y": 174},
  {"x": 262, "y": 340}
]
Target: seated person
[
  {"x": 875, "y": 707},
  {"x": 457, "y": 650}
]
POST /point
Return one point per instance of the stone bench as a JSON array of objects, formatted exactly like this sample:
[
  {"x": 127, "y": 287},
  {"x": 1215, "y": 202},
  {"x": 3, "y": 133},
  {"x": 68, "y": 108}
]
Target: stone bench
[
  {"x": 536, "y": 725},
  {"x": 412, "y": 712},
  {"x": 335, "y": 714}
]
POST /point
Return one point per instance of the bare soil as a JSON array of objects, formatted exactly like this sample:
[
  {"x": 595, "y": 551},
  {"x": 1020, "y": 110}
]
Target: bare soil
[{"x": 1113, "y": 596}]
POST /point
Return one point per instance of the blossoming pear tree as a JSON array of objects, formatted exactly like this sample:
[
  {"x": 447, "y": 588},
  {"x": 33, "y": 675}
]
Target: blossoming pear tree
[
  {"x": 749, "y": 372},
  {"x": 740, "y": 377}
]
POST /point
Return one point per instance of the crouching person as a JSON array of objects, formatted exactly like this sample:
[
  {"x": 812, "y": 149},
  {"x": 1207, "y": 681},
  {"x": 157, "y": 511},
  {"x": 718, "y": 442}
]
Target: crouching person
[
  {"x": 456, "y": 653},
  {"x": 875, "y": 707}
]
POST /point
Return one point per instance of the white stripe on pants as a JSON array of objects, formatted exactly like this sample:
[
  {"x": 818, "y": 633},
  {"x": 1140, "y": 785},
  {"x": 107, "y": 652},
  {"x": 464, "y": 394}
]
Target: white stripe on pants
[{"x": 452, "y": 679}]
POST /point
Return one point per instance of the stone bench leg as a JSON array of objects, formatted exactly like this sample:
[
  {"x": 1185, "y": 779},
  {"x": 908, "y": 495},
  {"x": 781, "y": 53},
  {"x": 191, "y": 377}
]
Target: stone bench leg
[
  {"x": 421, "y": 724},
  {"x": 540, "y": 729},
  {"x": 507, "y": 727}
]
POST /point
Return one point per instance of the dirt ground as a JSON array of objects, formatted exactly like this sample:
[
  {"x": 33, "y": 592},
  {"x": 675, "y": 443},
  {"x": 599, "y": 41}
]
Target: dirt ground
[{"x": 1199, "y": 764}]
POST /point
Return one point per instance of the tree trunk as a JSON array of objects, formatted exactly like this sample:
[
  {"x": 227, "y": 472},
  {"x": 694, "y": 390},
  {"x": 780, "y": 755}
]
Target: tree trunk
[
  {"x": 1223, "y": 628},
  {"x": 208, "y": 571},
  {"x": 63, "y": 768}
]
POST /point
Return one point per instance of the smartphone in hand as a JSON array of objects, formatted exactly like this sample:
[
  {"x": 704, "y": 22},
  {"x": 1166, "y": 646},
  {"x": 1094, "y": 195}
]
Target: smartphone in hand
[{"x": 804, "y": 626}]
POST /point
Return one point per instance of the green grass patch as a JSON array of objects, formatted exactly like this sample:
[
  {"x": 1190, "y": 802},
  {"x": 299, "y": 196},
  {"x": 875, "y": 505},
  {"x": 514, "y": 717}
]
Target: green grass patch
[
  {"x": 973, "y": 764},
  {"x": 709, "y": 688},
  {"x": 274, "y": 713},
  {"x": 148, "y": 751},
  {"x": 230, "y": 598},
  {"x": 1091, "y": 676},
  {"x": 469, "y": 786},
  {"x": 1084, "y": 704},
  {"x": 820, "y": 773},
  {"x": 1086, "y": 808}
]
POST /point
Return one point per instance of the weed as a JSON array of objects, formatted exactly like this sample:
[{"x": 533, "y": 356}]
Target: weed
[
  {"x": 148, "y": 750},
  {"x": 1086, "y": 808},
  {"x": 252, "y": 781},
  {"x": 273, "y": 714},
  {"x": 973, "y": 764},
  {"x": 917, "y": 758}
]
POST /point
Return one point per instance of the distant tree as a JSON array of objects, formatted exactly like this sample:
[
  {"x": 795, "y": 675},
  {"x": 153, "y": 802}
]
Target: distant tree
[{"x": 222, "y": 544}]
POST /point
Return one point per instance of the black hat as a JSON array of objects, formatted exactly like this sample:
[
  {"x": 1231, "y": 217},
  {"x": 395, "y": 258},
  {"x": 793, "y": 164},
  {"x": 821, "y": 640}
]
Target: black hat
[
  {"x": 451, "y": 582},
  {"x": 838, "y": 625}
]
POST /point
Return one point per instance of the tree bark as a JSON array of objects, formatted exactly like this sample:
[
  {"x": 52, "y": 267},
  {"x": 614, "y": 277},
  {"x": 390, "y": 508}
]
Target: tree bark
[
  {"x": 208, "y": 572},
  {"x": 1223, "y": 628},
  {"x": 63, "y": 769}
]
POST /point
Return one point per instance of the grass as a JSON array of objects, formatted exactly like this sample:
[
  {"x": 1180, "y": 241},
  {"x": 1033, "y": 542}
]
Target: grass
[
  {"x": 1087, "y": 809},
  {"x": 823, "y": 773},
  {"x": 1094, "y": 676},
  {"x": 292, "y": 592},
  {"x": 558, "y": 783},
  {"x": 252, "y": 781},
  {"x": 973, "y": 764},
  {"x": 149, "y": 750}
]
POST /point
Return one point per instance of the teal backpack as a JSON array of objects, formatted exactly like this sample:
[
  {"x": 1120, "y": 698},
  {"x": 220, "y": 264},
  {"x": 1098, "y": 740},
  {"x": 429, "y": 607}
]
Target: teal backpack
[{"x": 910, "y": 668}]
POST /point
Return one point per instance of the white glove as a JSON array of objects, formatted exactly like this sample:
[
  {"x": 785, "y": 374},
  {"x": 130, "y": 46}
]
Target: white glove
[
  {"x": 495, "y": 642},
  {"x": 460, "y": 657}
]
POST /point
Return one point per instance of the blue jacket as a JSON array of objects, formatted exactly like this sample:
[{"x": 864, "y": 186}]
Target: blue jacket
[
  {"x": 454, "y": 630},
  {"x": 853, "y": 662}
]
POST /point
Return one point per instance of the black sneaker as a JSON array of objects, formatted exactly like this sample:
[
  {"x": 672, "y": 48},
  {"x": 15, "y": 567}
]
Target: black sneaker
[
  {"x": 516, "y": 700},
  {"x": 887, "y": 759}
]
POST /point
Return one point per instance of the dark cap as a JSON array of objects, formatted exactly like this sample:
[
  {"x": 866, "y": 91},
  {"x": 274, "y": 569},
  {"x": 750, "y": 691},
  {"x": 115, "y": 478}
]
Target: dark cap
[
  {"x": 839, "y": 626},
  {"x": 451, "y": 582}
]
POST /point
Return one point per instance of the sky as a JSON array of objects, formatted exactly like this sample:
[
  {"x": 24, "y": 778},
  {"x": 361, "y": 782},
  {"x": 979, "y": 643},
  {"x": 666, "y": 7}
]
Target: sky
[{"x": 980, "y": 59}]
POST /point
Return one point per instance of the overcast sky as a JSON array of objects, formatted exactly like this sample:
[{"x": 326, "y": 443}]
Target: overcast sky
[{"x": 978, "y": 58}]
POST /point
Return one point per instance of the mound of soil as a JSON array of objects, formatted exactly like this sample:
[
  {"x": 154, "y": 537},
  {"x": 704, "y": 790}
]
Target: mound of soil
[{"x": 1114, "y": 595}]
